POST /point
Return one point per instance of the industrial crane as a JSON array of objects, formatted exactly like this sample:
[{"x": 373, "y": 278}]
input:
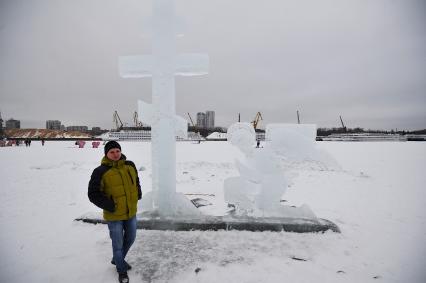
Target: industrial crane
[
  {"x": 256, "y": 120},
  {"x": 193, "y": 125},
  {"x": 116, "y": 119},
  {"x": 343, "y": 125},
  {"x": 138, "y": 124},
  {"x": 192, "y": 122},
  {"x": 195, "y": 128}
]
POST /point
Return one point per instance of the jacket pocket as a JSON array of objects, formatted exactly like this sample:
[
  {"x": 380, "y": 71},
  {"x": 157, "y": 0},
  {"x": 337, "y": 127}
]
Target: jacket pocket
[{"x": 120, "y": 205}]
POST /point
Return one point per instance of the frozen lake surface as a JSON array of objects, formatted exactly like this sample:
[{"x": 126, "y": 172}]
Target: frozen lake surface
[{"x": 376, "y": 196}]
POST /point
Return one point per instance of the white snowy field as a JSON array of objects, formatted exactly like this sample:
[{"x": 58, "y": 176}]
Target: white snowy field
[{"x": 377, "y": 197}]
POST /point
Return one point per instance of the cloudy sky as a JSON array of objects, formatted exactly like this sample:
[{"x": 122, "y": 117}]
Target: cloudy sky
[{"x": 362, "y": 59}]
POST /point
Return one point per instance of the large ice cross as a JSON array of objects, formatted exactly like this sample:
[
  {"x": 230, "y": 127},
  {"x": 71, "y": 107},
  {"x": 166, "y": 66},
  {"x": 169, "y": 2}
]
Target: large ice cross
[{"x": 163, "y": 65}]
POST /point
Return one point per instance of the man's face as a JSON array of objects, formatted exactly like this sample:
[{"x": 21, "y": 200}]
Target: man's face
[{"x": 114, "y": 154}]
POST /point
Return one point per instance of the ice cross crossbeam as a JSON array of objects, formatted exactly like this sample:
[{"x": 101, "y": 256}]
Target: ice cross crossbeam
[{"x": 142, "y": 66}]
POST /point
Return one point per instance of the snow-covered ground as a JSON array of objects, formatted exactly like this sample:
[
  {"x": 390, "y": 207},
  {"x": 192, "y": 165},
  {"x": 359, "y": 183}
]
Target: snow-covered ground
[{"x": 377, "y": 197}]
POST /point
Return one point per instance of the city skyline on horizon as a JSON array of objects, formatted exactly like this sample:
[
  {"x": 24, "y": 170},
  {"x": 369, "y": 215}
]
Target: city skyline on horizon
[{"x": 42, "y": 124}]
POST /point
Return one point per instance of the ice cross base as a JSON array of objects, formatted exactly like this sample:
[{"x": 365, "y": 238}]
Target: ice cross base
[{"x": 215, "y": 223}]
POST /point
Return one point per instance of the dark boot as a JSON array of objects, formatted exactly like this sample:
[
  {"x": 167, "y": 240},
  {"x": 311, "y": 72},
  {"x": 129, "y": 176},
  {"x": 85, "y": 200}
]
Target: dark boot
[{"x": 123, "y": 277}]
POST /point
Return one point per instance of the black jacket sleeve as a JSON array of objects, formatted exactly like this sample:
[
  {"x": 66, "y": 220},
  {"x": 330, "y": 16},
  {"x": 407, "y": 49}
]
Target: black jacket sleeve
[
  {"x": 95, "y": 194},
  {"x": 138, "y": 184}
]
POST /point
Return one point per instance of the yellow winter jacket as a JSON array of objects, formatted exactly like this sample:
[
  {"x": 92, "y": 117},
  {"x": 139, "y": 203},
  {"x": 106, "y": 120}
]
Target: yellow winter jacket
[{"x": 114, "y": 186}]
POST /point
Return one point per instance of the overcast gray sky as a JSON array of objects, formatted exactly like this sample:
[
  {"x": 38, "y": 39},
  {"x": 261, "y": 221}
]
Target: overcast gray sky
[{"x": 362, "y": 59}]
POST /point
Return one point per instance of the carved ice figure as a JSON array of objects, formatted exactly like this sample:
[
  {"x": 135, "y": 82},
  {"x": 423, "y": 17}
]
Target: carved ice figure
[
  {"x": 261, "y": 184},
  {"x": 163, "y": 65}
]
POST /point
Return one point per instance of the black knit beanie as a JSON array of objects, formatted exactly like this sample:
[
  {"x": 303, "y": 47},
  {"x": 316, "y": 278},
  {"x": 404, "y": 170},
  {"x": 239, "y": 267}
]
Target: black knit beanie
[{"x": 110, "y": 145}]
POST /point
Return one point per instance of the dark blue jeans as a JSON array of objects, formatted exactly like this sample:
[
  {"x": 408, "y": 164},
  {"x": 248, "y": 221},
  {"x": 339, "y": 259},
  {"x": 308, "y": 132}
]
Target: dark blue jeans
[{"x": 122, "y": 234}]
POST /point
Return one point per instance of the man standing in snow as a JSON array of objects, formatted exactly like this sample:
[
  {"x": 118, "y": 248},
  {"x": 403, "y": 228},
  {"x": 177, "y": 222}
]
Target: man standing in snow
[{"x": 114, "y": 186}]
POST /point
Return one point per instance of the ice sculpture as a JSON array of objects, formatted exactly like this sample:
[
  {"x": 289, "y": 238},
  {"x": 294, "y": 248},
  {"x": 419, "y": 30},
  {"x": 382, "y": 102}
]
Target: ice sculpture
[
  {"x": 258, "y": 190},
  {"x": 295, "y": 142},
  {"x": 163, "y": 65},
  {"x": 295, "y": 146}
]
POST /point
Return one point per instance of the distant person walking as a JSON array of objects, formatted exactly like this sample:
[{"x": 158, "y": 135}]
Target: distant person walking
[{"x": 114, "y": 186}]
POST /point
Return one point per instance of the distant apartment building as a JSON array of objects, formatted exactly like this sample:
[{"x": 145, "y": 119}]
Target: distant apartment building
[
  {"x": 13, "y": 124},
  {"x": 201, "y": 120},
  {"x": 83, "y": 129},
  {"x": 53, "y": 125},
  {"x": 205, "y": 120},
  {"x": 96, "y": 130},
  {"x": 1, "y": 122},
  {"x": 210, "y": 119}
]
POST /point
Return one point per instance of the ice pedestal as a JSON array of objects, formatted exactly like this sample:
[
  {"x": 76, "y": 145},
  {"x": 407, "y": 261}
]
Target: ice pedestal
[
  {"x": 227, "y": 223},
  {"x": 179, "y": 208}
]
